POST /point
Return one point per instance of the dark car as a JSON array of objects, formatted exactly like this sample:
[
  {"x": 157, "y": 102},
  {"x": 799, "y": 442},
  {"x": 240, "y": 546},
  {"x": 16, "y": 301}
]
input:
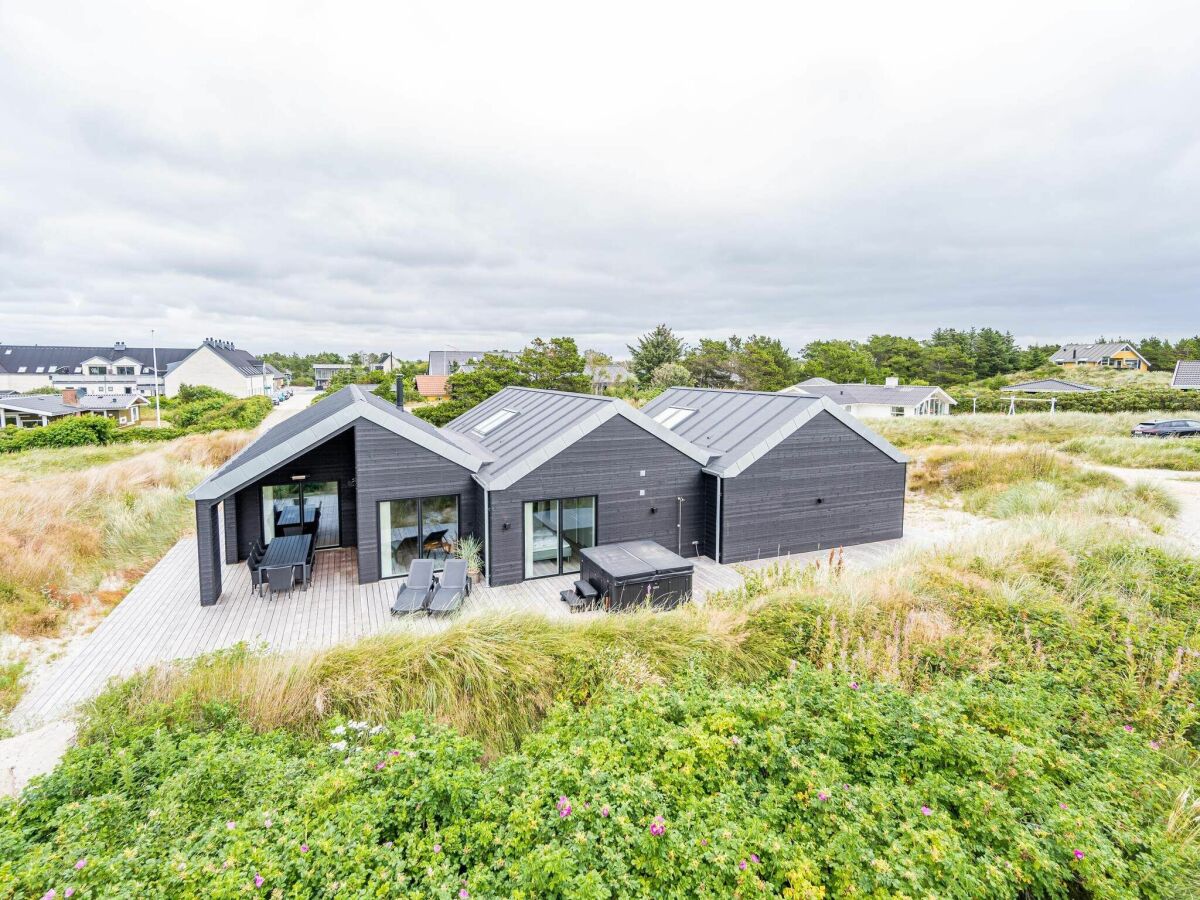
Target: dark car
[{"x": 1168, "y": 428}]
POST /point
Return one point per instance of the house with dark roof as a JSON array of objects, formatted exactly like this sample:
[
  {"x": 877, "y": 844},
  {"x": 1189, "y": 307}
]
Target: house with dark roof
[
  {"x": 539, "y": 476},
  {"x": 1186, "y": 375},
  {"x": 879, "y": 401},
  {"x": 31, "y": 410},
  {"x": 221, "y": 365},
  {"x": 1113, "y": 354},
  {"x": 87, "y": 370}
]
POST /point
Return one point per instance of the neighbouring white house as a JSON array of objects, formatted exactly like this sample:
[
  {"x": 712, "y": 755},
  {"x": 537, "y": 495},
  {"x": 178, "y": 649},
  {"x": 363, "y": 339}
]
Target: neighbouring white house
[
  {"x": 87, "y": 370},
  {"x": 31, "y": 410},
  {"x": 879, "y": 401},
  {"x": 605, "y": 375},
  {"x": 219, "y": 364}
]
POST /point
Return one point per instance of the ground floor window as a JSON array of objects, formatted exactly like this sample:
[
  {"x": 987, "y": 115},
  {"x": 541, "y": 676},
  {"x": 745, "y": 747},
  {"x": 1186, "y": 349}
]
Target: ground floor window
[
  {"x": 302, "y": 508},
  {"x": 555, "y": 532},
  {"x": 897, "y": 410},
  {"x": 416, "y": 528}
]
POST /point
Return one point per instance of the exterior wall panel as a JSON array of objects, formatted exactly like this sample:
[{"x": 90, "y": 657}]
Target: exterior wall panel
[
  {"x": 606, "y": 463},
  {"x": 392, "y": 468},
  {"x": 772, "y": 508}
]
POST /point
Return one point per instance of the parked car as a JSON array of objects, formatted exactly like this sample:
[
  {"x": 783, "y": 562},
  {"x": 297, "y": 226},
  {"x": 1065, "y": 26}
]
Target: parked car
[{"x": 1168, "y": 428}]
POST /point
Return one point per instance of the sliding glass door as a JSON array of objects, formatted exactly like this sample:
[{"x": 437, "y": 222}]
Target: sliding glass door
[
  {"x": 416, "y": 528},
  {"x": 555, "y": 532},
  {"x": 302, "y": 508}
]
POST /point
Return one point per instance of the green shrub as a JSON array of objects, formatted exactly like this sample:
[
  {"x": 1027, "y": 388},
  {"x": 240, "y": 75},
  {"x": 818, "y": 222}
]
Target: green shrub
[
  {"x": 810, "y": 785},
  {"x": 76, "y": 431}
]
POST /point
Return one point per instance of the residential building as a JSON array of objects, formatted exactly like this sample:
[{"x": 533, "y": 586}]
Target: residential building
[
  {"x": 540, "y": 475},
  {"x": 1186, "y": 375},
  {"x": 31, "y": 410},
  {"x": 387, "y": 363},
  {"x": 1050, "y": 386},
  {"x": 447, "y": 362},
  {"x": 433, "y": 387},
  {"x": 879, "y": 401},
  {"x": 88, "y": 370},
  {"x": 604, "y": 376},
  {"x": 323, "y": 373},
  {"x": 221, "y": 365},
  {"x": 1115, "y": 354}
]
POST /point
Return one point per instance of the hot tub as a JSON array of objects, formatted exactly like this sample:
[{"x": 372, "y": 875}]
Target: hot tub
[{"x": 635, "y": 572}]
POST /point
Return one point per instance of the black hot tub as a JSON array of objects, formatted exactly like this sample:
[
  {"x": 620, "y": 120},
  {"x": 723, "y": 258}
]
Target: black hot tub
[{"x": 635, "y": 572}]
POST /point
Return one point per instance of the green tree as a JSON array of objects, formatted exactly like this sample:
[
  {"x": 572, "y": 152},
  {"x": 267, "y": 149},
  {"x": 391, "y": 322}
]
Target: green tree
[
  {"x": 653, "y": 349},
  {"x": 995, "y": 352},
  {"x": 764, "y": 364},
  {"x": 947, "y": 364},
  {"x": 670, "y": 375},
  {"x": 711, "y": 363},
  {"x": 895, "y": 355},
  {"x": 842, "y": 362}
]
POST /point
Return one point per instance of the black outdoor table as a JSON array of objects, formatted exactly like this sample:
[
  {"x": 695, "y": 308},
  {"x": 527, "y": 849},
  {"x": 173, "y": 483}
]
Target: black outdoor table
[
  {"x": 290, "y": 515},
  {"x": 287, "y": 551}
]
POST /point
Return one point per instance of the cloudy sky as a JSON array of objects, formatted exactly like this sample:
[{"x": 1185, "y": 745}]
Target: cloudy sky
[{"x": 405, "y": 176}]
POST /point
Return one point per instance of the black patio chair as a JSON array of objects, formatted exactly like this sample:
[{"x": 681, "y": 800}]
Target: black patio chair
[
  {"x": 280, "y": 578},
  {"x": 452, "y": 589},
  {"x": 414, "y": 596},
  {"x": 254, "y": 564},
  {"x": 307, "y": 568}
]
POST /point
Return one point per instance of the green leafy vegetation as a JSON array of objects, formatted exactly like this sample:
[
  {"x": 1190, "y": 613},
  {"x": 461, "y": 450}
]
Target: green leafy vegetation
[
  {"x": 12, "y": 685},
  {"x": 1008, "y": 717}
]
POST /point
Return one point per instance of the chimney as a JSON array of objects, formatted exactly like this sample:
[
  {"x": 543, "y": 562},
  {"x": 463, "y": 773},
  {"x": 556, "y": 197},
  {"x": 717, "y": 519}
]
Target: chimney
[
  {"x": 70, "y": 397},
  {"x": 1074, "y": 353},
  {"x": 399, "y": 392},
  {"x": 119, "y": 347},
  {"x": 892, "y": 381}
]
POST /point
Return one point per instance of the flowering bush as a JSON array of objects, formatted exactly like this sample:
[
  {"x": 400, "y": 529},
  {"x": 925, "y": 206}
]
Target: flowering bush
[{"x": 967, "y": 790}]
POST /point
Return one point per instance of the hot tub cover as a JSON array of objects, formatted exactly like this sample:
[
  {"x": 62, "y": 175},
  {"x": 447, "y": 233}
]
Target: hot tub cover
[{"x": 636, "y": 559}]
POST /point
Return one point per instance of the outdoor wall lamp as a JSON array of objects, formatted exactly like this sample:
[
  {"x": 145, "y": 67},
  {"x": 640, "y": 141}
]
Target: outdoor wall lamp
[
  {"x": 820, "y": 499},
  {"x": 504, "y": 527},
  {"x": 653, "y": 510}
]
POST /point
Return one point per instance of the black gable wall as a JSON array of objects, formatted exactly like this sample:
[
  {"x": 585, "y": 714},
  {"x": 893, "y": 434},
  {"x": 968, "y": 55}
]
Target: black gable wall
[
  {"x": 606, "y": 463},
  {"x": 393, "y": 468},
  {"x": 822, "y": 486}
]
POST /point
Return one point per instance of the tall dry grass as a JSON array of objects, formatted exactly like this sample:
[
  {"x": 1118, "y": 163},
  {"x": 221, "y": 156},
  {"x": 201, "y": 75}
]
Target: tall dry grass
[
  {"x": 1180, "y": 455},
  {"x": 62, "y": 534}
]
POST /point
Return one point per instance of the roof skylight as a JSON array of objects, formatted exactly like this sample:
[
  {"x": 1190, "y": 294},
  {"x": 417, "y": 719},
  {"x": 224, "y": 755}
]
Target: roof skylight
[
  {"x": 672, "y": 416},
  {"x": 494, "y": 421}
]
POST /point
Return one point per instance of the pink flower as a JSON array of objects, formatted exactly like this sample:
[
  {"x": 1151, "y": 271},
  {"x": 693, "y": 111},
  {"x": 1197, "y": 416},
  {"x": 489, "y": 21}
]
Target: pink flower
[
  {"x": 604, "y": 811},
  {"x": 754, "y": 858},
  {"x": 926, "y": 811},
  {"x": 1063, "y": 806},
  {"x": 564, "y": 807},
  {"x": 1079, "y": 854},
  {"x": 1154, "y": 745},
  {"x": 393, "y": 753},
  {"x": 703, "y": 842},
  {"x": 742, "y": 865},
  {"x": 231, "y": 824},
  {"x": 437, "y": 848},
  {"x": 378, "y": 766},
  {"x": 49, "y": 895},
  {"x": 464, "y": 894},
  {"x": 822, "y": 796},
  {"x": 658, "y": 826},
  {"x": 1129, "y": 728},
  {"x": 304, "y": 848},
  {"x": 69, "y": 892},
  {"x": 79, "y": 864},
  {"x": 258, "y": 880},
  {"x": 735, "y": 740},
  {"x": 854, "y": 685}
]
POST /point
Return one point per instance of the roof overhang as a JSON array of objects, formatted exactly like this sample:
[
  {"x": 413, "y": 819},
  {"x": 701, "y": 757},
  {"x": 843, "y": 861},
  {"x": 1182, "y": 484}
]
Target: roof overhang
[
  {"x": 226, "y": 481},
  {"x": 794, "y": 424}
]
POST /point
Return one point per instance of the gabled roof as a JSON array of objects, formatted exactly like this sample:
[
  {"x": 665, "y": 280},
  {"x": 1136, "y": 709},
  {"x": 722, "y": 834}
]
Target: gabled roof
[
  {"x": 100, "y": 402},
  {"x": 245, "y": 362},
  {"x": 319, "y": 422},
  {"x": 446, "y": 362},
  {"x": 431, "y": 385},
  {"x": 884, "y": 394},
  {"x": 810, "y": 382},
  {"x": 1051, "y": 386},
  {"x": 1187, "y": 374},
  {"x": 542, "y": 425},
  {"x": 14, "y": 357},
  {"x": 1093, "y": 352},
  {"x": 742, "y": 426},
  {"x": 38, "y": 404}
]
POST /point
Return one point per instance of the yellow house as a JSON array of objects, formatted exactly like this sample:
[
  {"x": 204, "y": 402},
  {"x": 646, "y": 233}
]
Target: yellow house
[{"x": 1118, "y": 355}]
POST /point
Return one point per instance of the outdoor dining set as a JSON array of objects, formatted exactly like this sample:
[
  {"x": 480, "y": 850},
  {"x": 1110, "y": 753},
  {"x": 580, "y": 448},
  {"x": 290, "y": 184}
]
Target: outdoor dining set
[{"x": 287, "y": 560}]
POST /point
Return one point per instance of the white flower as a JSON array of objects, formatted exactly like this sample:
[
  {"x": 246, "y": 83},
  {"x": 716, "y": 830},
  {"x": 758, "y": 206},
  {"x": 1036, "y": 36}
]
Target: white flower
[
  {"x": 339, "y": 746},
  {"x": 378, "y": 729},
  {"x": 341, "y": 729},
  {"x": 357, "y": 726}
]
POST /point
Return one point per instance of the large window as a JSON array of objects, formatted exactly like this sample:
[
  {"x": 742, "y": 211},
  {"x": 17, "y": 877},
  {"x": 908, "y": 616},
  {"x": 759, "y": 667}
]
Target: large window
[
  {"x": 302, "y": 508},
  {"x": 416, "y": 528},
  {"x": 555, "y": 532}
]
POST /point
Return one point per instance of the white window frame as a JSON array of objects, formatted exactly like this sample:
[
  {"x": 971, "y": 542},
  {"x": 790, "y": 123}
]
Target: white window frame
[
  {"x": 494, "y": 421},
  {"x": 673, "y": 415}
]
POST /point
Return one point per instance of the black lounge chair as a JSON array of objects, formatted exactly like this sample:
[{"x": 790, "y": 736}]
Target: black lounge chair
[
  {"x": 280, "y": 578},
  {"x": 415, "y": 594},
  {"x": 452, "y": 588}
]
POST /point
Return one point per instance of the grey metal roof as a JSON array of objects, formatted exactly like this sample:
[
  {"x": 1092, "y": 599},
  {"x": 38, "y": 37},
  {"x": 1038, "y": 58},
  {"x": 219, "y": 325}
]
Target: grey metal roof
[
  {"x": 442, "y": 361},
  {"x": 243, "y": 360},
  {"x": 808, "y": 382},
  {"x": 546, "y": 423},
  {"x": 1092, "y": 352},
  {"x": 309, "y": 427},
  {"x": 1050, "y": 386},
  {"x": 1187, "y": 374},
  {"x": 39, "y": 404},
  {"x": 33, "y": 356},
  {"x": 744, "y": 425},
  {"x": 884, "y": 394},
  {"x": 113, "y": 401}
]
